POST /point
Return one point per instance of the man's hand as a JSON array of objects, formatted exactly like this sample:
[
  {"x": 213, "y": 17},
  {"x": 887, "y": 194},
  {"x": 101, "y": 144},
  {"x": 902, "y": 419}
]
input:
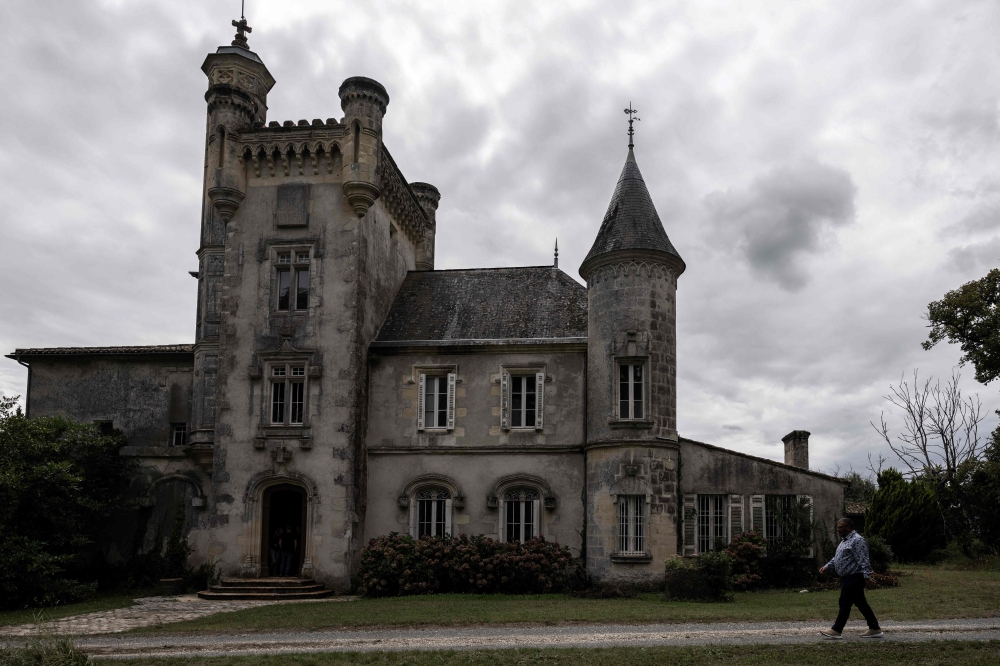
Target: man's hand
[
  {"x": 870, "y": 584},
  {"x": 822, "y": 569}
]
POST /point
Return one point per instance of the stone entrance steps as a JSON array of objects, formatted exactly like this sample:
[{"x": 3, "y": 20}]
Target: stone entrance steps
[{"x": 266, "y": 589}]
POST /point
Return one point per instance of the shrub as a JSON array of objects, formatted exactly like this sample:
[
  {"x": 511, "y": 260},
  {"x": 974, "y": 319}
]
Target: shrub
[
  {"x": 879, "y": 554},
  {"x": 905, "y": 514},
  {"x": 746, "y": 551},
  {"x": 46, "y": 649},
  {"x": 60, "y": 482},
  {"x": 396, "y": 565},
  {"x": 708, "y": 577}
]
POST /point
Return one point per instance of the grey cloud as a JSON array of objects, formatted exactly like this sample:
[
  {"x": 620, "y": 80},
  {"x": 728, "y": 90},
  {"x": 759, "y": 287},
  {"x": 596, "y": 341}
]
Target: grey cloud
[
  {"x": 976, "y": 258},
  {"x": 782, "y": 217}
]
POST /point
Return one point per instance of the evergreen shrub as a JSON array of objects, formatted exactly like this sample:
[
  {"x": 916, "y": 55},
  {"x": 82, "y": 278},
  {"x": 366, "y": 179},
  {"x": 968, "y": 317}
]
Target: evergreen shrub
[
  {"x": 399, "y": 565},
  {"x": 905, "y": 514},
  {"x": 708, "y": 577}
]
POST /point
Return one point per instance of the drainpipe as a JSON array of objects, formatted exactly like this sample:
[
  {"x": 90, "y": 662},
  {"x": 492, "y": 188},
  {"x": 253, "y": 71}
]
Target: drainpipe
[{"x": 27, "y": 397}]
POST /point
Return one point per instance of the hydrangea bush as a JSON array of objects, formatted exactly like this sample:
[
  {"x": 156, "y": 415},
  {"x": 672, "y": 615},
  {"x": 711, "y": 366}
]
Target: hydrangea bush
[{"x": 398, "y": 564}]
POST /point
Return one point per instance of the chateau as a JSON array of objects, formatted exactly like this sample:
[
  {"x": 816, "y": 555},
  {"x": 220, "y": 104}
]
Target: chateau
[{"x": 339, "y": 384}]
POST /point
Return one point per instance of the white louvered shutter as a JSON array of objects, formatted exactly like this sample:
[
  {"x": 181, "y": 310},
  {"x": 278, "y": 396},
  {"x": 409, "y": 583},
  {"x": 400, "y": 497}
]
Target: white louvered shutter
[
  {"x": 539, "y": 399},
  {"x": 690, "y": 525},
  {"x": 413, "y": 517},
  {"x": 757, "y": 514},
  {"x": 421, "y": 396},
  {"x": 505, "y": 400},
  {"x": 451, "y": 400},
  {"x": 447, "y": 517},
  {"x": 735, "y": 516},
  {"x": 808, "y": 501}
]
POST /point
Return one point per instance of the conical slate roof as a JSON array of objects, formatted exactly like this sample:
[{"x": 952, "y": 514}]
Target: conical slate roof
[{"x": 631, "y": 222}]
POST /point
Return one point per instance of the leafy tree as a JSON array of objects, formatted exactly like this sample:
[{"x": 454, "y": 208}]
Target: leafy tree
[
  {"x": 906, "y": 514},
  {"x": 60, "y": 482},
  {"x": 969, "y": 316},
  {"x": 862, "y": 488}
]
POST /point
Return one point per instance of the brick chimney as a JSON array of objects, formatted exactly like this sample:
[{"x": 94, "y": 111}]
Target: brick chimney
[{"x": 797, "y": 448}]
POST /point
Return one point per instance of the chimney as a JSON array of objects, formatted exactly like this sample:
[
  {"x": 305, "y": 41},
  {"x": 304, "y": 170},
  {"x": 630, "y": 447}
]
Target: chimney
[{"x": 797, "y": 448}]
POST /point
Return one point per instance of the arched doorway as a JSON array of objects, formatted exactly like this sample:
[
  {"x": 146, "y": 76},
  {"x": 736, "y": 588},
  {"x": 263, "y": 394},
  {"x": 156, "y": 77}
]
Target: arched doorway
[{"x": 283, "y": 533}]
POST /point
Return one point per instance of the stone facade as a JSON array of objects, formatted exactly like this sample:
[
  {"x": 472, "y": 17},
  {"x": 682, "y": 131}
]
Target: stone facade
[{"x": 317, "y": 294}]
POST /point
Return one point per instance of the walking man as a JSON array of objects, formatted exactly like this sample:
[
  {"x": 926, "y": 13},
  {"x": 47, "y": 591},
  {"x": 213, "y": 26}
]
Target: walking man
[{"x": 851, "y": 563}]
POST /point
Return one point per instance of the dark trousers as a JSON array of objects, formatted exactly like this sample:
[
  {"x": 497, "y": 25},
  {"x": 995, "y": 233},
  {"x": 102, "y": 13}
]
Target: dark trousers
[
  {"x": 287, "y": 563},
  {"x": 274, "y": 561},
  {"x": 852, "y": 593}
]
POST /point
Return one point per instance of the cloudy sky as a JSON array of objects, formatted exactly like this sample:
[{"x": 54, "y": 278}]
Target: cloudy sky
[{"x": 825, "y": 169}]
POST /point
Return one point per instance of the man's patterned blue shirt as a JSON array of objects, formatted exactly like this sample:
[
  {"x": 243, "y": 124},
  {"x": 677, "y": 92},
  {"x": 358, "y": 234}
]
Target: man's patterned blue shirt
[{"x": 851, "y": 557}]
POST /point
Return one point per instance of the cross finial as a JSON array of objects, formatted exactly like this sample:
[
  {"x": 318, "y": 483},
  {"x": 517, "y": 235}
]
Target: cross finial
[
  {"x": 631, "y": 112},
  {"x": 555, "y": 260},
  {"x": 241, "y": 29}
]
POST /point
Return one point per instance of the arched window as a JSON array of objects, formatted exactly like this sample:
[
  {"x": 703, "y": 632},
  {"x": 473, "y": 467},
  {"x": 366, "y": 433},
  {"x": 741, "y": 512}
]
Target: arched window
[
  {"x": 432, "y": 512},
  {"x": 520, "y": 512}
]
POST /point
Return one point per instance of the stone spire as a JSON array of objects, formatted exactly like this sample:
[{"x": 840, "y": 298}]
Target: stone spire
[{"x": 631, "y": 228}]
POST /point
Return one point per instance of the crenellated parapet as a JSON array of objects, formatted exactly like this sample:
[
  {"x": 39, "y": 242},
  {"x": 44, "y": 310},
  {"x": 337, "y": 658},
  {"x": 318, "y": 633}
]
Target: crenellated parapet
[
  {"x": 399, "y": 200},
  {"x": 301, "y": 149}
]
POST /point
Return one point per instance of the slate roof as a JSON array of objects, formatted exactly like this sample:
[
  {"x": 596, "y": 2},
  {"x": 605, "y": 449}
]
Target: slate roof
[
  {"x": 631, "y": 222},
  {"x": 102, "y": 351},
  {"x": 487, "y": 304}
]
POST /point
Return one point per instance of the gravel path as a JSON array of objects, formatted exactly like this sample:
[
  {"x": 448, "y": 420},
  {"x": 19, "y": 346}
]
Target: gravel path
[
  {"x": 147, "y": 612},
  {"x": 601, "y": 635}
]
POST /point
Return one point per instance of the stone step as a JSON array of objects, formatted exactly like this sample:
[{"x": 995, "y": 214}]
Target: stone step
[
  {"x": 267, "y": 582},
  {"x": 267, "y": 589},
  {"x": 246, "y": 595}
]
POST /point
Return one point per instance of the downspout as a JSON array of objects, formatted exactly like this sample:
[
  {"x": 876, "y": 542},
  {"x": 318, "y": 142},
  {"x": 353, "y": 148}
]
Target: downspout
[
  {"x": 27, "y": 397},
  {"x": 586, "y": 421}
]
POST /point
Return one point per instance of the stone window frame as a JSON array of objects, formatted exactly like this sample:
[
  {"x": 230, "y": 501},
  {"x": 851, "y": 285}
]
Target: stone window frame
[
  {"x": 293, "y": 249},
  {"x": 288, "y": 378},
  {"x": 646, "y": 554},
  {"x": 496, "y": 499},
  {"x": 409, "y": 499},
  {"x": 176, "y": 429},
  {"x": 261, "y": 370},
  {"x": 507, "y": 372},
  {"x": 632, "y": 361},
  {"x": 419, "y": 376}
]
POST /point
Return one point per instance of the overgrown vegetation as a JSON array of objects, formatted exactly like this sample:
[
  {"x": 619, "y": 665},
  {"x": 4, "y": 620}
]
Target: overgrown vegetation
[
  {"x": 397, "y": 564},
  {"x": 708, "y": 577},
  {"x": 62, "y": 486},
  {"x": 60, "y": 482}
]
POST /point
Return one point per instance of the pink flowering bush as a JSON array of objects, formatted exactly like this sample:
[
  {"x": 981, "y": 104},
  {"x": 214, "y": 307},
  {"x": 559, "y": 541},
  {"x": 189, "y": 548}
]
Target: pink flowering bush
[{"x": 398, "y": 565}]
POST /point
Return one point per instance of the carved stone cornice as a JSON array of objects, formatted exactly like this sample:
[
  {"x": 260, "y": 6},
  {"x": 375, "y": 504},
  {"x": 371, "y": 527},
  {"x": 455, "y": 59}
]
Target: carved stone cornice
[{"x": 650, "y": 268}]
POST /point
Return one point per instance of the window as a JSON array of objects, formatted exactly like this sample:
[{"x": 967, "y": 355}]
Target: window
[
  {"x": 521, "y": 402},
  {"x": 632, "y": 524},
  {"x": 292, "y": 281},
  {"x": 521, "y": 512},
  {"x": 178, "y": 434},
  {"x": 105, "y": 428},
  {"x": 288, "y": 393},
  {"x": 436, "y": 402},
  {"x": 711, "y": 521},
  {"x": 779, "y": 512},
  {"x": 433, "y": 512},
  {"x": 630, "y": 391}
]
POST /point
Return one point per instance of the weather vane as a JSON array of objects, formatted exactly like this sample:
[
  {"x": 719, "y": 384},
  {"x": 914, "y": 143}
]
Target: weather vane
[{"x": 631, "y": 112}]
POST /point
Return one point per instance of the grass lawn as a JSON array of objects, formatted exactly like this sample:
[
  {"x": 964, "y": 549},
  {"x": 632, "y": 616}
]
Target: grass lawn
[
  {"x": 924, "y": 593},
  {"x": 105, "y": 602},
  {"x": 824, "y": 654}
]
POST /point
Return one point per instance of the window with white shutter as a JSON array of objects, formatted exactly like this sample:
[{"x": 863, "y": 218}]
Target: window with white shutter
[
  {"x": 711, "y": 521},
  {"x": 757, "y": 514},
  {"x": 690, "y": 525},
  {"x": 436, "y": 402},
  {"x": 522, "y": 395},
  {"x": 735, "y": 516}
]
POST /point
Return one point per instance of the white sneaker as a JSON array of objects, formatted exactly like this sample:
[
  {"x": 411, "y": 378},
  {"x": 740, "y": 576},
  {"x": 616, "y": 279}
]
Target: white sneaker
[
  {"x": 873, "y": 633},
  {"x": 830, "y": 633}
]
